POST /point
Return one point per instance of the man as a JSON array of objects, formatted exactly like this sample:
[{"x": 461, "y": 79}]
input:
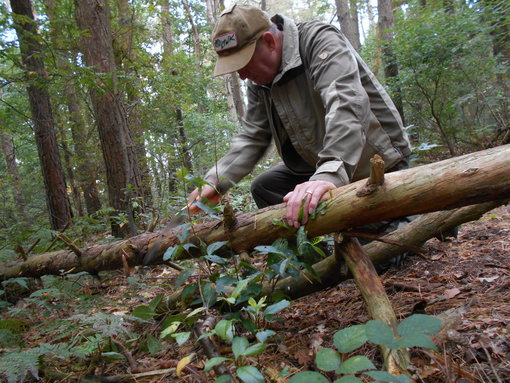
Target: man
[{"x": 312, "y": 94}]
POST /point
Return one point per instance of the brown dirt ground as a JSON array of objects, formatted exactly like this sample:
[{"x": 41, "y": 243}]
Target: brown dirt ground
[{"x": 464, "y": 281}]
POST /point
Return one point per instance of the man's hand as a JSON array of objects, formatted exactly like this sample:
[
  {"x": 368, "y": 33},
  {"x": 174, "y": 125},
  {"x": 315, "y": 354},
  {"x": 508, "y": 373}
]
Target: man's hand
[
  {"x": 303, "y": 200},
  {"x": 207, "y": 192}
]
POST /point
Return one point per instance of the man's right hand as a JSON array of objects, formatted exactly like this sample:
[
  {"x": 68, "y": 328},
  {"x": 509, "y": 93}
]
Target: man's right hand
[{"x": 207, "y": 192}]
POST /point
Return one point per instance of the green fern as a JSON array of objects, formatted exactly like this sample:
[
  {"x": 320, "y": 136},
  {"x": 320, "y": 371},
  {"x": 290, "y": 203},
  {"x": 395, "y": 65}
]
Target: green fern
[
  {"x": 15, "y": 366},
  {"x": 107, "y": 325}
]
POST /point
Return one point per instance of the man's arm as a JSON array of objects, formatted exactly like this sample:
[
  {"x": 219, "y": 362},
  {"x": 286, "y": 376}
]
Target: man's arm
[{"x": 245, "y": 151}]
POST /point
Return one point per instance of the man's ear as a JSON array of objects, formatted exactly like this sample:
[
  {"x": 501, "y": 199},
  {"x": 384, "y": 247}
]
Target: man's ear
[{"x": 269, "y": 40}]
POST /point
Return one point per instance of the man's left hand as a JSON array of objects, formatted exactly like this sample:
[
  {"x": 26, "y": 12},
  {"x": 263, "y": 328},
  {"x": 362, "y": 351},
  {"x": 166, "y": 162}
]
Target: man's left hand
[{"x": 303, "y": 200}]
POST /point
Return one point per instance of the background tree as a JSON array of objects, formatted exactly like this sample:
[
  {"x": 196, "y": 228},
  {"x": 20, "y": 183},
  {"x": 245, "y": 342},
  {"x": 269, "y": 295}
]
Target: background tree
[
  {"x": 122, "y": 172},
  {"x": 31, "y": 56}
]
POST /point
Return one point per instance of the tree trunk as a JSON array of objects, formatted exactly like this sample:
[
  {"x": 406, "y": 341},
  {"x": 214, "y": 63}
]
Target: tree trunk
[
  {"x": 347, "y": 12},
  {"x": 195, "y": 35},
  {"x": 12, "y": 170},
  {"x": 385, "y": 11},
  {"x": 68, "y": 165},
  {"x": 125, "y": 58},
  {"x": 122, "y": 172},
  {"x": 86, "y": 168},
  {"x": 40, "y": 105},
  {"x": 474, "y": 178},
  {"x": 167, "y": 32}
]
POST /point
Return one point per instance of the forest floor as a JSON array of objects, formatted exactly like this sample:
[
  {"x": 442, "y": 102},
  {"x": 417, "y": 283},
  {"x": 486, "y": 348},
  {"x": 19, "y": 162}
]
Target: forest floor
[{"x": 464, "y": 281}]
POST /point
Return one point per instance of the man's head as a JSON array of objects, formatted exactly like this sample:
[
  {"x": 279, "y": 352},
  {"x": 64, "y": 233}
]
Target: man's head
[{"x": 247, "y": 42}]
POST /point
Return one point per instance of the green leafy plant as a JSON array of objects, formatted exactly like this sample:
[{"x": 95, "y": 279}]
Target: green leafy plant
[{"x": 414, "y": 331}]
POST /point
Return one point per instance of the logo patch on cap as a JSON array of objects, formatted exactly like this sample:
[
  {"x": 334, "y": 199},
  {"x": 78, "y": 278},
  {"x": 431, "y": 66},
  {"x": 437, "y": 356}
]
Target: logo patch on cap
[{"x": 225, "y": 41}]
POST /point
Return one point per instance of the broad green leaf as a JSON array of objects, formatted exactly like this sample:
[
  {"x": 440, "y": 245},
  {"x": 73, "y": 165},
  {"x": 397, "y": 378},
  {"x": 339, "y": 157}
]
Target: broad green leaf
[
  {"x": 350, "y": 338},
  {"x": 223, "y": 379},
  {"x": 348, "y": 379},
  {"x": 181, "y": 337},
  {"x": 170, "y": 329},
  {"x": 113, "y": 356},
  {"x": 155, "y": 302},
  {"x": 173, "y": 253},
  {"x": 215, "y": 259},
  {"x": 153, "y": 345},
  {"x": 213, "y": 247},
  {"x": 249, "y": 374},
  {"x": 183, "y": 277},
  {"x": 269, "y": 250},
  {"x": 214, "y": 362},
  {"x": 327, "y": 359},
  {"x": 224, "y": 329},
  {"x": 277, "y": 307},
  {"x": 144, "y": 312},
  {"x": 308, "y": 377},
  {"x": 355, "y": 364},
  {"x": 254, "y": 350},
  {"x": 263, "y": 335},
  {"x": 417, "y": 340},
  {"x": 195, "y": 312},
  {"x": 419, "y": 323},
  {"x": 211, "y": 213},
  {"x": 239, "y": 346},
  {"x": 386, "y": 377},
  {"x": 209, "y": 295},
  {"x": 379, "y": 333},
  {"x": 241, "y": 285}
]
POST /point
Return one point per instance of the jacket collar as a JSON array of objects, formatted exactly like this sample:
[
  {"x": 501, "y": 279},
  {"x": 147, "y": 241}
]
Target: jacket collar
[{"x": 290, "y": 51}]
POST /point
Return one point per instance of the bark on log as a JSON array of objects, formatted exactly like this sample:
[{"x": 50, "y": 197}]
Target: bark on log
[{"x": 474, "y": 178}]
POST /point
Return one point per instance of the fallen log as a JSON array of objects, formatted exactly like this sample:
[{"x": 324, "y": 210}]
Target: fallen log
[
  {"x": 332, "y": 270},
  {"x": 473, "y": 178}
]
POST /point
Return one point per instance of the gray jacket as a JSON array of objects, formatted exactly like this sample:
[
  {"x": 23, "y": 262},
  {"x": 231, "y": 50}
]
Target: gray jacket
[{"x": 326, "y": 102}]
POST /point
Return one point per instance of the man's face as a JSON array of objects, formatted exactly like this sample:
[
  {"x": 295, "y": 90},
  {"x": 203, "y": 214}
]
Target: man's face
[{"x": 264, "y": 64}]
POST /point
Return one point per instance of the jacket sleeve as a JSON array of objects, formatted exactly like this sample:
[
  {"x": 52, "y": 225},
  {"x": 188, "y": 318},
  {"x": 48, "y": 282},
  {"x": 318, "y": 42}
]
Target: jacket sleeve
[
  {"x": 334, "y": 73},
  {"x": 247, "y": 147}
]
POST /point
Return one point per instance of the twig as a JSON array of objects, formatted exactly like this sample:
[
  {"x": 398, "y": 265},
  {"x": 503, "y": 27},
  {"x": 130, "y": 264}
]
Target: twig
[
  {"x": 33, "y": 245},
  {"x": 376, "y": 170},
  {"x": 375, "y": 179},
  {"x": 55, "y": 239},
  {"x": 64, "y": 238},
  {"x": 132, "y": 363},
  {"x": 489, "y": 359},
  {"x": 208, "y": 346}
]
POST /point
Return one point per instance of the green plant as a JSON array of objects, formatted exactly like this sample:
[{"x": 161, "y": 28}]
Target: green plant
[{"x": 414, "y": 331}]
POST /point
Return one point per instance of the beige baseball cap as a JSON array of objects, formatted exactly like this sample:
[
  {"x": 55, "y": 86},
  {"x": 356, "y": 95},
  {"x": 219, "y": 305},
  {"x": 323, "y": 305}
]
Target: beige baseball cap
[{"x": 235, "y": 36}]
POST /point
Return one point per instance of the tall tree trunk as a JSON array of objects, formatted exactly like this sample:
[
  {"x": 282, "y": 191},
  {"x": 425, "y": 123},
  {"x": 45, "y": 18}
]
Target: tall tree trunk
[
  {"x": 68, "y": 164},
  {"x": 12, "y": 169},
  {"x": 40, "y": 105},
  {"x": 347, "y": 12},
  {"x": 183, "y": 140},
  {"x": 234, "y": 96},
  {"x": 385, "y": 10},
  {"x": 126, "y": 57},
  {"x": 167, "y": 25},
  {"x": 86, "y": 168},
  {"x": 195, "y": 34},
  {"x": 122, "y": 172},
  {"x": 500, "y": 27}
]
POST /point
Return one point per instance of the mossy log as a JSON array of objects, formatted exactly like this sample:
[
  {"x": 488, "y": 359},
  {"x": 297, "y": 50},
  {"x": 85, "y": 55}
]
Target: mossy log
[{"x": 473, "y": 178}]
